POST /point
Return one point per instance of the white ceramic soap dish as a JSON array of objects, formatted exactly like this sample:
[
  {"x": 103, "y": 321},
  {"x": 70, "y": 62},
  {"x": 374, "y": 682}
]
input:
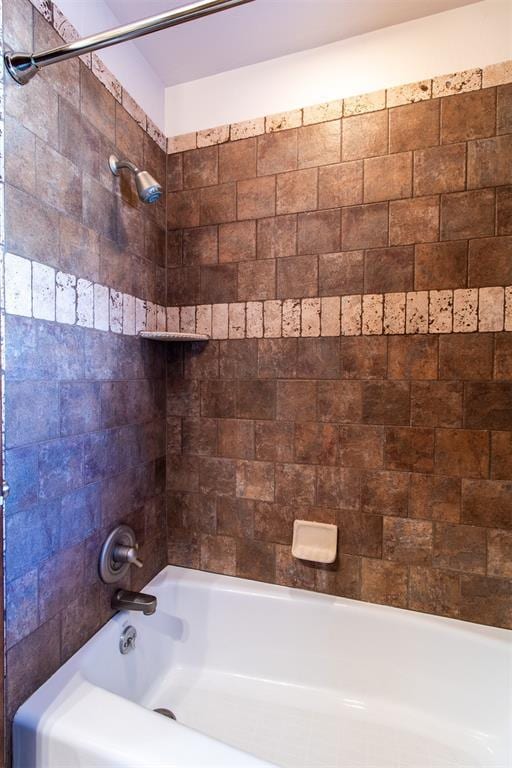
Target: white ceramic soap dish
[{"x": 314, "y": 541}]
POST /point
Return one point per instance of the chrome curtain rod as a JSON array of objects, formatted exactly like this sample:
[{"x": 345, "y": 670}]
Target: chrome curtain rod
[{"x": 23, "y": 66}]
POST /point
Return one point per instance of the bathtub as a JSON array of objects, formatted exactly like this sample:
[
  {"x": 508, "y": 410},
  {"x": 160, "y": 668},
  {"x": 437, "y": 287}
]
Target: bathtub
[{"x": 259, "y": 675}]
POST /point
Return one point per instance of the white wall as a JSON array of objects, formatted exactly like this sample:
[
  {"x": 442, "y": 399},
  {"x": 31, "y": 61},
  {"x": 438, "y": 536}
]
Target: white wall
[
  {"x": 471, "y": 36},
  {"x": 124, "y": 61}
]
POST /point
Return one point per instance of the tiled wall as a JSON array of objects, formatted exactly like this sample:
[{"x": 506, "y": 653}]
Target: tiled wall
[
  {"x": 394, "y": 419},
  {"x": 85, "y": 399}
]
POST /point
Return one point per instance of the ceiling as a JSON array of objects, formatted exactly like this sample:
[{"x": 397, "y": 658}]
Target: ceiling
[{"x": 261, "y": 30}]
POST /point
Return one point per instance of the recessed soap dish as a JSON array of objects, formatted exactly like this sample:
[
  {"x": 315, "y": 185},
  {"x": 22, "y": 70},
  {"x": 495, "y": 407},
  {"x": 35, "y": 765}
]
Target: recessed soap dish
[{"x": 317, "y": 542}]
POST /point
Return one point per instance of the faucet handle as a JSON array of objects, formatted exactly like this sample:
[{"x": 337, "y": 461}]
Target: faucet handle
[{"x": 124, "y": 554}]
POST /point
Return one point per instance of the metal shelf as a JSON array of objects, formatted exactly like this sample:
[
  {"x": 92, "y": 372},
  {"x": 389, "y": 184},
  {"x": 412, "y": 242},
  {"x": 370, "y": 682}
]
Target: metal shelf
[{"x": 173, "y": 336}]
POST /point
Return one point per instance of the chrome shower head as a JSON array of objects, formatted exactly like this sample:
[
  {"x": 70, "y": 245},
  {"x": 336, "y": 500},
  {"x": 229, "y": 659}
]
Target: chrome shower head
[{"x": 148, "y": 188}]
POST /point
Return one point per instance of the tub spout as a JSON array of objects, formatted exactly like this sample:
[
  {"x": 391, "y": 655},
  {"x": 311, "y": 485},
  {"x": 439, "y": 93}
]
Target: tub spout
[{"x": 124, "y": 600}]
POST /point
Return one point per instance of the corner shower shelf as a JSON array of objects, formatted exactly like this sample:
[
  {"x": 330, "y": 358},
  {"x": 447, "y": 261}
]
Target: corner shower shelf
[{"x": 173, "y": 336}]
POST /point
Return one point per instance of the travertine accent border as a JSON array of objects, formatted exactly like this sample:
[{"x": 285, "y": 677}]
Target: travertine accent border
[
  {"x": 434, "y": 88},
  {"x": 67, "y": 31},
  {"x": 42, "y": 292}
]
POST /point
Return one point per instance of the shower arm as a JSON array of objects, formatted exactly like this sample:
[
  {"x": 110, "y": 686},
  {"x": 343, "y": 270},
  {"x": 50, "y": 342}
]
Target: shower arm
[{"x": 23, "y": 66}]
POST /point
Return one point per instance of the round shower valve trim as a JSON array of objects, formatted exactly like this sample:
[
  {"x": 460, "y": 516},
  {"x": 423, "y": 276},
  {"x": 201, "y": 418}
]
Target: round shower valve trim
[{"x": 119, "y": 551}]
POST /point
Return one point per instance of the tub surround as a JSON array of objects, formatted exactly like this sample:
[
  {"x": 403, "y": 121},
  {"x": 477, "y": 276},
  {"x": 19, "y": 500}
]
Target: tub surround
[
  {"x": 85, "y": 398},
  {"x": 343, "y": 250}
]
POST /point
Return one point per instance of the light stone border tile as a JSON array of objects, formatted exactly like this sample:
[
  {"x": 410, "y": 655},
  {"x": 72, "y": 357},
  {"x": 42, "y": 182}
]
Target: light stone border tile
[
  {"x": 394, "y": 313},
  {"x": 220, "y": 321},
  {"x": 508, "y": 309},
  {"x": 101, "y": 309},
  {"x": 204, "y": 319},
  {"x": 291, "y": 318},
  {"x": 440, "y": 311},
  {"x": 187, "y": 320},
  {"x": 491, "y": 309},
  {"x": 351, "y": 314},
  {"x": 272, "y": 311},
  {"x": 65, "y": 298},
  {"x": 408, "y": 93},
  {"x": 84, "y": 303},
  {"x": 465, "y": 310},
  {"x": 116, "y": 312},
  {"x": 372, "y": 314},
  {"x": 18, "y": 285},
  {"x": 330, "y": 316},
  {"x": 310, "y": 321},
  {"x": 254, "y": 319},
  {"x": 416, "y": 312}
]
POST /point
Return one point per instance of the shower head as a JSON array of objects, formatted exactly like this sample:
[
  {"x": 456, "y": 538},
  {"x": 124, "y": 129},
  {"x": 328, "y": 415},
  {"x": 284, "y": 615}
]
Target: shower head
[{"x": 148, "y": 188}]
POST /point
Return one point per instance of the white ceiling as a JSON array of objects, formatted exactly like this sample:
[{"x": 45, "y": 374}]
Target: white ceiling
[{"x": 261, "y": 30}]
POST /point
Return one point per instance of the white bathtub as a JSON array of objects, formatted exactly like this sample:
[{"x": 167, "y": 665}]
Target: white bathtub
[{"x": 259, "y": 675}]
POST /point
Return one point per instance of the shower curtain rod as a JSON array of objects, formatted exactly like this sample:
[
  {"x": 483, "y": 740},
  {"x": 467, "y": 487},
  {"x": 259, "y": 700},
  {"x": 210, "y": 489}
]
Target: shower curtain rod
[{"x": 23, "y": 66}]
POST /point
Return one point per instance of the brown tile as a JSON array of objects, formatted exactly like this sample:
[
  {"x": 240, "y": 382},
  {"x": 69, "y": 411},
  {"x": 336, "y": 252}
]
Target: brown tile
[
  {"x": 291, "y": 572},
  {"x": 340, "y": 184},
  {"x": 489, "y": 162},
  {"x": 414, "y": 126},
  {"x": 364, "y": 226},
  {"x": 255, "y": 560},
  {"x": 462, "y": 453},
  {"x": 414, "y": 221},
  {"x": 486, "y": 601},
  {"x": 175, "y": 247},
  {"x": 440, "y": 265},
  {"x": 436, "y": 403},
  {"x": 344, "y": 580},
  {"x": 218, "y": 204},
  {"x": 386, "y": 402},
  {"x": 183, "y": 209},
  {"x": 412, "y": 357},
  {"x": 217, "y": 476},
  {"x": 359, "y": 534},
  {"x": 319, "y": 232},
  {"x": 218, "y": 554},
  {"x": 365, "y": 135},
  {"x": 340, "y": 273},
  {"x": 20, "y": 157},
  {"x": 238, "y": 359},
  {"x": 501, "y": 455},
  {"x": 255, "y": 399},
  {"x": 277, "y": 358},
  {"x": 182, "y": 473},
  {"x": 388, "y": 177},
  {"x": 277, "y": 237},
  {"x": 504, "y": 109},
  {"x": 384, "y": 582},
  {"x": 98, "y": 212},
  {"x": 318, "y": 358},
  {"x": 129, "y": 136},
  {"x": 338, "y": 488},
  {"x": 219, "y": 283},
  {"x": 217, "y": 399},
  {"x": 435, "y": 498},
  {"x": 31, "y": 662},
  {"x": 183, "y": 285},
  {"x": 193, "y": 511},
  {"x": 440, "y": 169},
  {"x": 235, "y": 517},
  {"x": 60, "y": 578},
  {"x": 79, "y": 246},
  {"x": 339, "y": 401},
  {"x": 274, "y": 441},
  {"x": 200, "y": 245},
  {"x": 257, "y": 280},
  {"x": 277, "y": 152},
  {"x": 199, "y": 436},
  {"x": 256, "y": 198},
  {"x": 499, "y": 554},
  {"x": 460, "y": 548},
  {"x": 297, "y": 191},
  {"x": 294, "y": 484},
  {"x": 385, "y": 493},
  {"x": 255, "y": 480},
  {"x": 236, "y": 439},
  {"x": 490, "y": 261},
  {"x": 467, "y": 214},
  {"x": 433, "y": 591},
  {"x": 201, "y": 167},
  {"x": 467, "y": 357},
  {"x": 316, "y": 443},
  {"x": 237, "y": 160},
  {"x": 296, "y": 401},
  {"x": 97, "y": 104},
  {"x": 361, "y": 446},
  {"x": 407, "y": 541},
  {"x": 503, "y": 356},
  {"x": 487, "y": 503},
  {"x": 364, "y": 357},
  {"x": 319, "y": 144},
  {"x": 488, "y": 405},
  {"x": 468, "y": 116},
  {"x": 389, "y": 270},
  {"x": 174, "y": 172},
  {"x": 409, "y": 448},
  {"x": 183, "y": 548},
  {"x": 297, "y": 277},
  {"x": 237, "y": 241}
]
